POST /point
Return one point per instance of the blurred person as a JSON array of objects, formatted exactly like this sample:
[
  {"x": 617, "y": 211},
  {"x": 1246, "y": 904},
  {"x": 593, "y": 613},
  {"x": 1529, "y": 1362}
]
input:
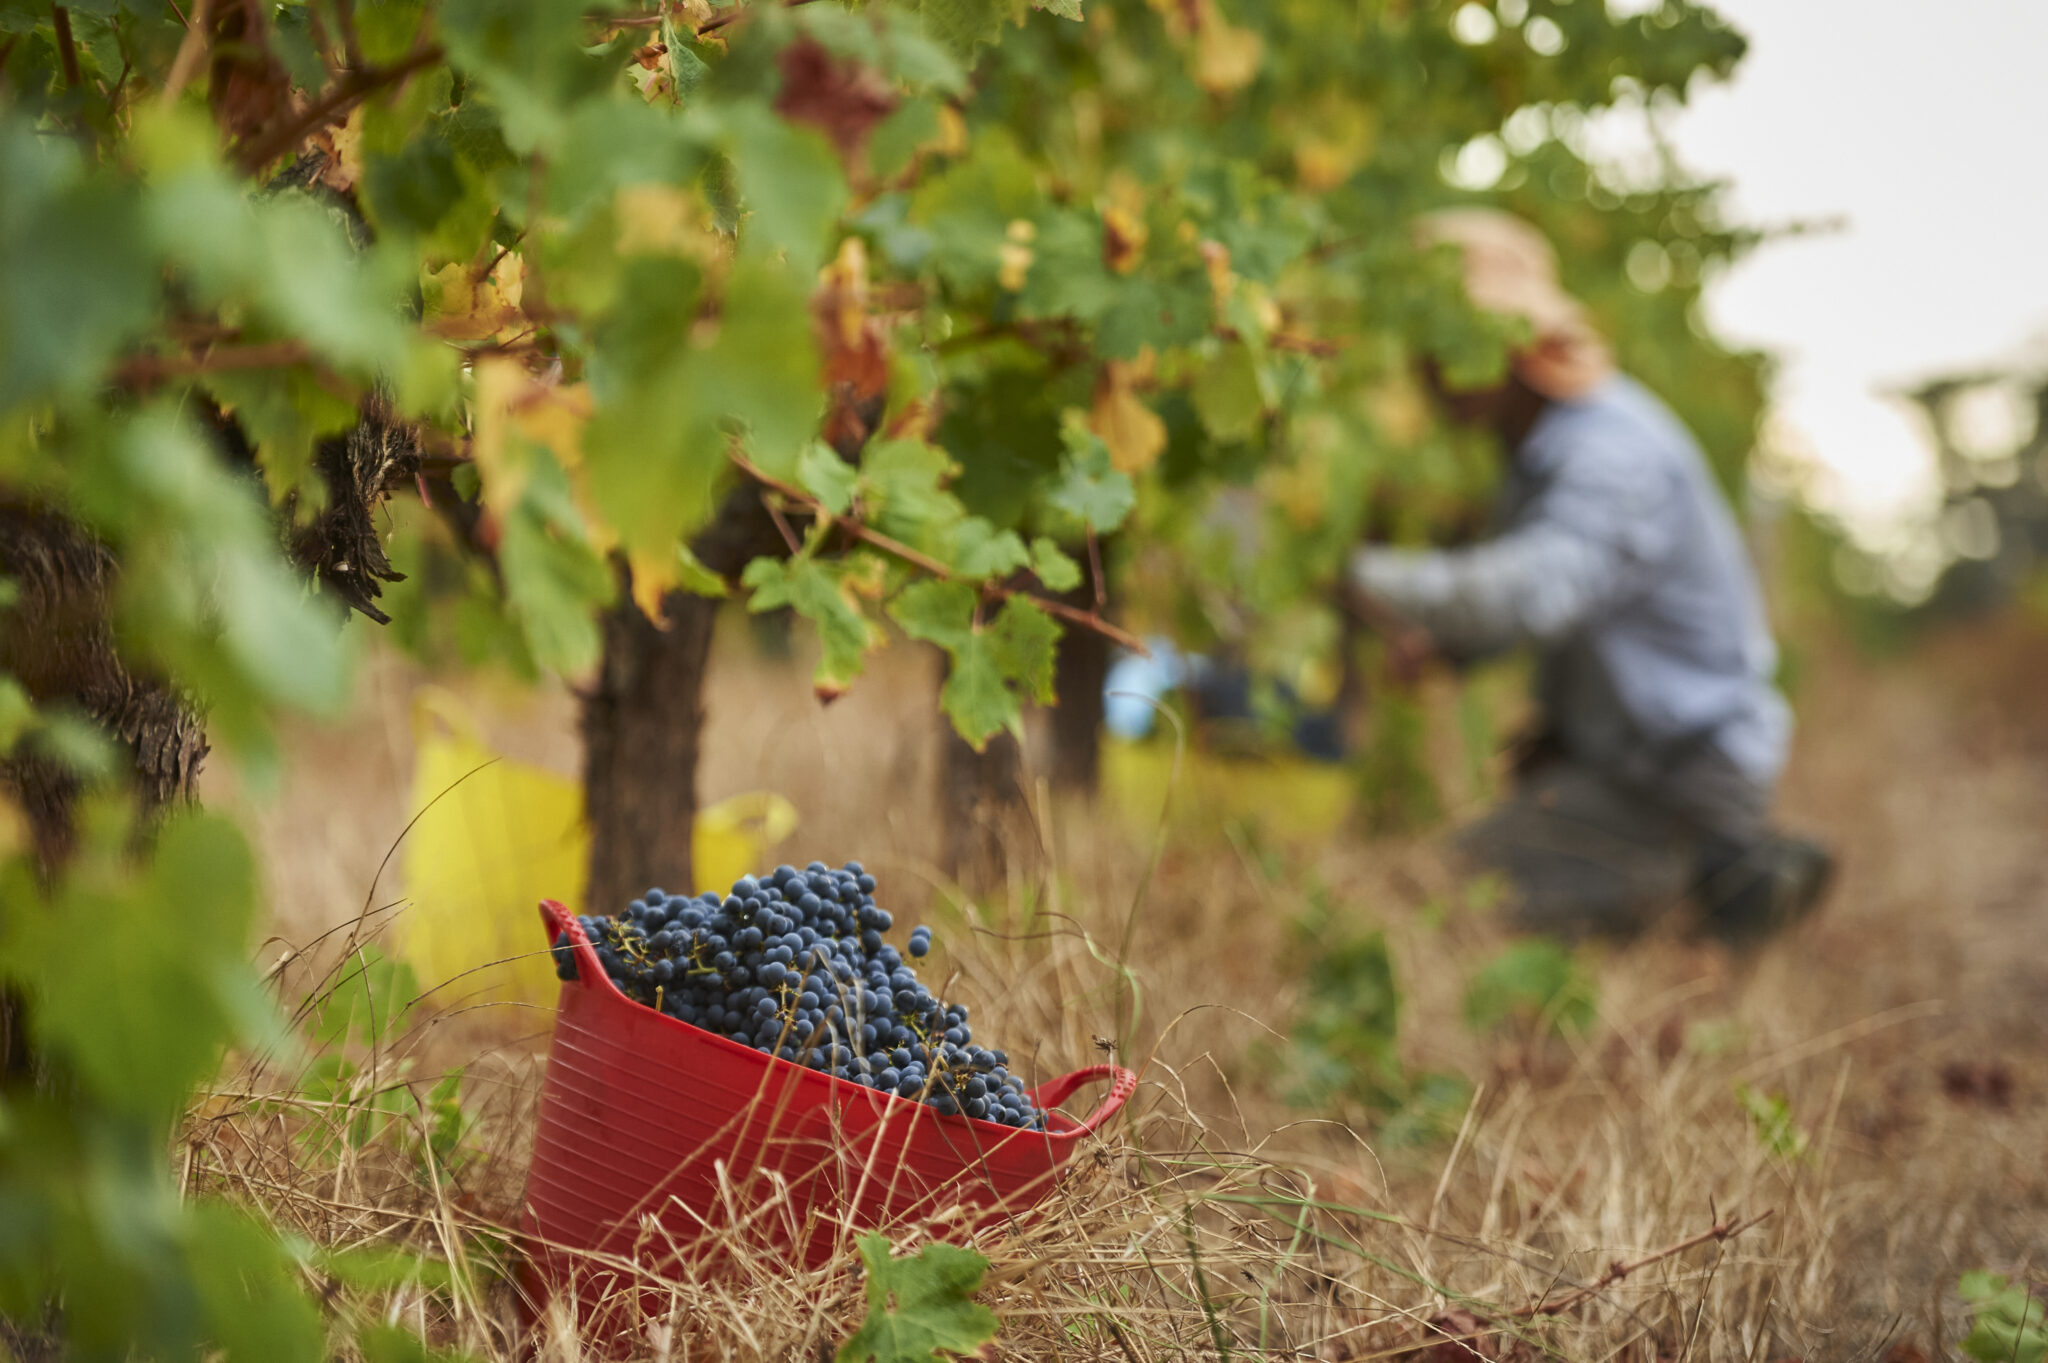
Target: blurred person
[{"x": 1661, "y": 736}]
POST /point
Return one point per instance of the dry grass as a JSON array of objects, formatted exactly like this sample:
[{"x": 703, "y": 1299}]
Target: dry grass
[{"x": 1904, "y": 1031}]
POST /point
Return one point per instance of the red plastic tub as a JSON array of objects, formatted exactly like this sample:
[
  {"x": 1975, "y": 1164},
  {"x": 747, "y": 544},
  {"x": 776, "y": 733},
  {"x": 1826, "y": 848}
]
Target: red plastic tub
[{"x": 660, "y": 1142}]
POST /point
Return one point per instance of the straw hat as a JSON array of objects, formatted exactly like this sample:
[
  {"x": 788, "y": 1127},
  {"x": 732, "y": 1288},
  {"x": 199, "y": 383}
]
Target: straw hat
[{"x": 1511, "y": 269}]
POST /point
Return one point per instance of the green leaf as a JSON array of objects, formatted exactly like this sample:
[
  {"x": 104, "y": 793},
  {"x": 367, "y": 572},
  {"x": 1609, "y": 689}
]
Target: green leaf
[
  {"x": 1065, "y": 9},
  {"x": 823, "y": 594},
  {"x": 1535, "y": 981},
  {"x": 369, "y": 1000},
  {"x": 248, "y": 1289},
  {"x": 993, "y": 666},
  {"x": 1026, "y": 643},
  {"x": 1160, "y": 313},
  {"x": 17, "y": 713},
  {"x": 382, "y": 1268},
  {"x": 181, "y": 926},
  {"x": 528, "y": 56},
  {"x": 961, "y": 25},
  {"x": 905, "y": 494},
  {"x": 77, "y": 278},
  {"x": 920, "y": 1304},
  {"x": 1089, "y": 489},
  {"x": 1227, "y": 395},
  {"x": 695, "y": 577},
  {"x": 284, "y": 413},
  {"x": 2010, "y": 1323},
  {"x": 968, "y": 209},
  {"x": 1770, "y": 1114},
  {"x": 982, "y": 551},
  {"x": 1052, "y": 566},
  {"x": 975, "y": 697},
  {"x": 763, "y": 367},
  {"x": 1068, "y": 277},
  {"x": 823, "y": 474},
  {"x": 791, "y": 183},
  {"x": 554, "y": 582}
]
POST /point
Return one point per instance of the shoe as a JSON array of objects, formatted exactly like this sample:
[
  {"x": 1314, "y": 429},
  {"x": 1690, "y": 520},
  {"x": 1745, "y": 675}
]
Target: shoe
[{"x": 1764, "y": 890}]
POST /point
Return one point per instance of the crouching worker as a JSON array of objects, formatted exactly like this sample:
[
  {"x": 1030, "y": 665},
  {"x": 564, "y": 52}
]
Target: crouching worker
[{"x": 1650, "y": 778}]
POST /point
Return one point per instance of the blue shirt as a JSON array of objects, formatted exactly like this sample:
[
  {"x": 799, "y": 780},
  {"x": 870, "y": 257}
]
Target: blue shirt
[{"x": 1620, "y": 561}]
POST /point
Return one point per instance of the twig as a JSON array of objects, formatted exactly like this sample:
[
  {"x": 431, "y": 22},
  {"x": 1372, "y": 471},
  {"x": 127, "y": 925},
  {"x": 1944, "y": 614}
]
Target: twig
[
  {"x": 67, "y": 46},
  {"x": 1721, "y": 1230},
  {"x": 345, "y": 20},
  {"x": 781, "y": 523},
  {"x": 896, "y": 548},
  {"x": 145, "y": 370},
  {"x": 1095, "y": 570},
  {"x": 191, "y": 52},
  {"x": 1318, "y": 346},
  {"x": 735, "y": 14},
  {"x": 253, "y": 156}
]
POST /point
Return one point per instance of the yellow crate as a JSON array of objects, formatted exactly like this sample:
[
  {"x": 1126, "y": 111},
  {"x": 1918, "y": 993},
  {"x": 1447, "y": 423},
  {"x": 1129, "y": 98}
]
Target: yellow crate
[
  {"x": 1285, "y": 797},
  {"x": 500, "y": 836}
]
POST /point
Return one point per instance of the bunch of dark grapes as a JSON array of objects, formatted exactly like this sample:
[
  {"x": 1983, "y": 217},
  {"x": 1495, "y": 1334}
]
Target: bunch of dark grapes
[{"x": 793, "y": 964}]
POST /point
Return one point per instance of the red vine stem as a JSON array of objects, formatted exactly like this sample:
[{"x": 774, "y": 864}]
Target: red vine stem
[{"x": 896, "y": 548}]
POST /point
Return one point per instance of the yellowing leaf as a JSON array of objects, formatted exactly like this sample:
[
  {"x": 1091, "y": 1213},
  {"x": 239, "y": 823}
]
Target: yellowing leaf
[
  {"x": 1222, "y": 279},
  {"x": 462, "y": 306},
  {"x": 512, "y": 408},
  {"x": 657, "y": 219},
  {"x": 1226, "y": 57},
  {"x": 1399, "y": 410},
  {"x": 1134, "y": 433},
  {"x": 1123, "y": 238},
  {"x": 1334, "y": 138}
]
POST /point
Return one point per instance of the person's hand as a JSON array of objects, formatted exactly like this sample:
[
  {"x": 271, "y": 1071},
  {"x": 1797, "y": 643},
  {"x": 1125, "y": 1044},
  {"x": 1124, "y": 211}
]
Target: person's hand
[{"x": 1409, "y": 648}]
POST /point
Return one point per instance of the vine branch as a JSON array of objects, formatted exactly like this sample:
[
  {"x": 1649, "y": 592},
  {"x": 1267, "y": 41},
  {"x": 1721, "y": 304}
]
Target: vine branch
[
  {"x": 253, "y": 156},
  {"x": 145, "y": 370},
  {"x": 897, "y": 549}
]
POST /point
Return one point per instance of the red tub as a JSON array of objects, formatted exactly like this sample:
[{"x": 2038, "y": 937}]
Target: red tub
[{"x": 661, "y": 1142}]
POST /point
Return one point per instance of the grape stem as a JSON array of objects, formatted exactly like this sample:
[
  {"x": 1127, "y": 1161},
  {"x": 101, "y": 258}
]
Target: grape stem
[{"x": 896, "y": 548}]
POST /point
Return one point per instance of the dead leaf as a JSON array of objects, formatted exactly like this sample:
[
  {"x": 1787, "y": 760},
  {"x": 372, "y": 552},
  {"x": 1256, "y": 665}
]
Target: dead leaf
[
  {"x": 1123, "y": 238},
  {"x": 841, "y": 99},
  {"x": 249, "y": 88},
  {"x": 855, "y": 346},
  {"x": 341, "y": 168}
]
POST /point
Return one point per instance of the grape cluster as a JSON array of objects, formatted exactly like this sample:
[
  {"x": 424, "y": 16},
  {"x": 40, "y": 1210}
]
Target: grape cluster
[{"x": 793, "y": 964}]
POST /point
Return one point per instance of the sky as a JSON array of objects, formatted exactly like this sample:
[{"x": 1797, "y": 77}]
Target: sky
[{"x": 1922, "y": 127}]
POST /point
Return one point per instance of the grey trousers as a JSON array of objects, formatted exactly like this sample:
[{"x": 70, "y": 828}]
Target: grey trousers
[{"x": 1599, "y": 852}]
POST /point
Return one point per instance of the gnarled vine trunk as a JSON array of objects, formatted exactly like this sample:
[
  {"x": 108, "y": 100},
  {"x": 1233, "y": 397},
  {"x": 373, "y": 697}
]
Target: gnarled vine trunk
[
  {"x": 643, "y": 719},
  {"x": 57, "y": 641}
]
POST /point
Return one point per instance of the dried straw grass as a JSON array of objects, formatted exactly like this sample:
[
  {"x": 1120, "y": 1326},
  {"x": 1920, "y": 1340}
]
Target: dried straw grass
[{"x": 1215, "y": 1220}]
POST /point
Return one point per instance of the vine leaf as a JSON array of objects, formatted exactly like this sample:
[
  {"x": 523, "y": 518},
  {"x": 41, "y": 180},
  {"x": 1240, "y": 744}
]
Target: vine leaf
[
  {"x": 994, "y": 665},
  {"x": 919, "y": 1304},
  {"x": 826, "y": 594},
  {"x": 1057, "y": 571},
  {"x": 1090, "y": 489}
]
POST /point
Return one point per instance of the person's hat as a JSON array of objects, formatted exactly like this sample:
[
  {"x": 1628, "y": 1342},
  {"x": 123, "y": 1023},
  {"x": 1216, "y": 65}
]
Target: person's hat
[{"x": 1511, "y": 269}]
